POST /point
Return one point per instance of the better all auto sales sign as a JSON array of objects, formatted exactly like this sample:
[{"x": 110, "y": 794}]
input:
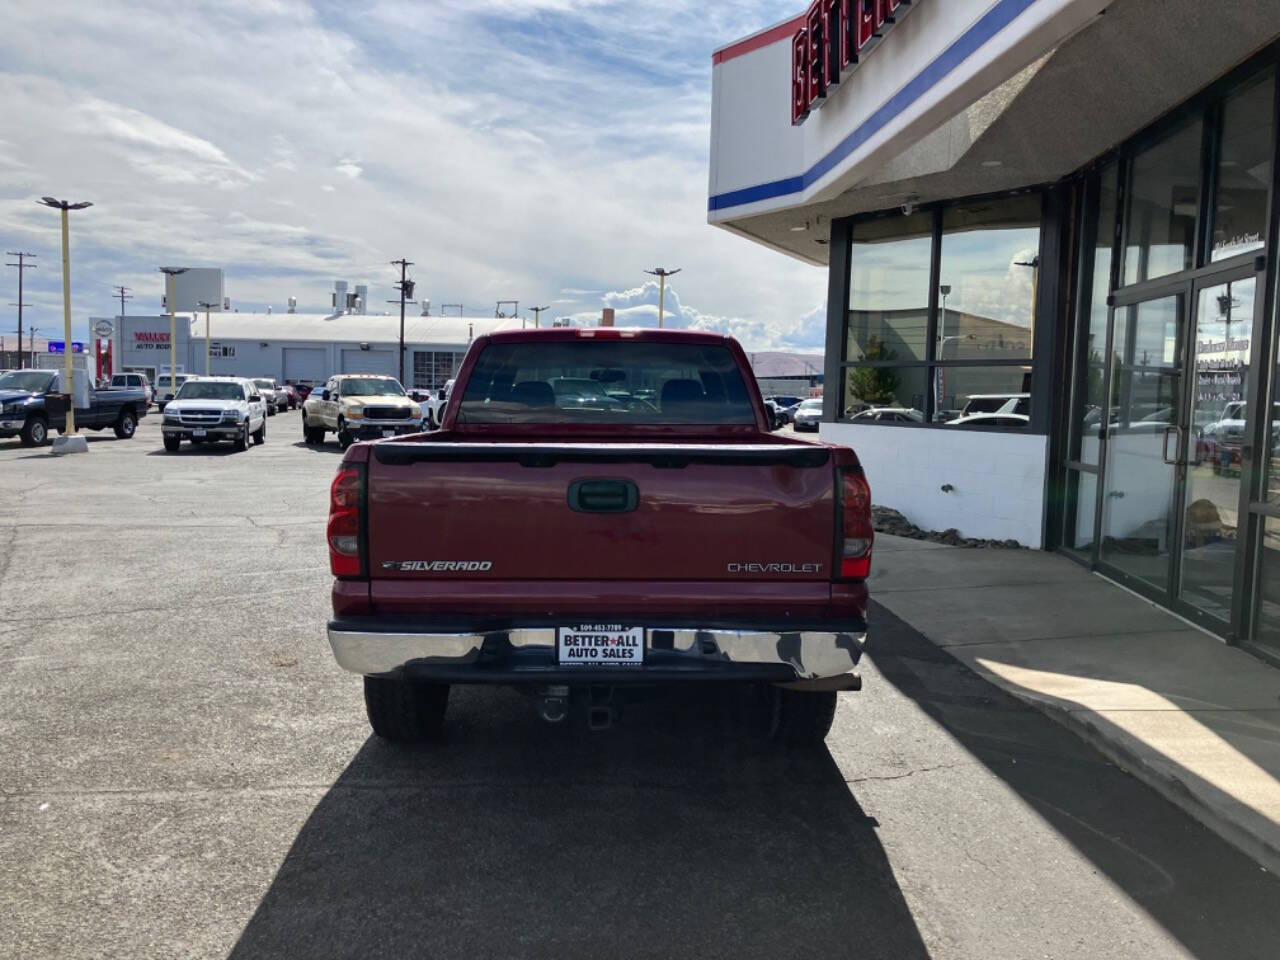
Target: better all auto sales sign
[{"x": 836, "y": 35}]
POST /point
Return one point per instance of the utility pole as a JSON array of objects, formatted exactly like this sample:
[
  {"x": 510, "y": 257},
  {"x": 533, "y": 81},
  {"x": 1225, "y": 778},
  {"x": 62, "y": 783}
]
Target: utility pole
[
  {"x": 662, "y": 273},
  {"x": 22, "y": 266},
  {"x": 537, "y": 315},
  {"x": 123, "y": 294},
  {"x": 206, "y": 304},
  {"x": 406, "y": 296}
]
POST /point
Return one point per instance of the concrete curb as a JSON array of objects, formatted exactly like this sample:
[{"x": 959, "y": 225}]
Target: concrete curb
[{"x": 1120, "y": 751}]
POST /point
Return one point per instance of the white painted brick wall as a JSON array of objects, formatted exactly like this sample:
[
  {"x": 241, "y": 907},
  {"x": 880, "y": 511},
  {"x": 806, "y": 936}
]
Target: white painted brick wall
[{"x": 998, "y": 477}]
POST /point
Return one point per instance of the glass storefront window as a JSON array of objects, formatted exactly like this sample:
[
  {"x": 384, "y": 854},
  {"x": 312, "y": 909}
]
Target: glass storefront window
[
  {"x": 987, "y": 281},
  {"x": 896, "y": 388},
  {"x": 889, "y": 289},
  {"x": 1267, "y": 626},
  {"x": 1082, "y": 507},
  {"x": 1244, "y": 169},
  {"x": 982, "y": 398},
  {"x": 1164, "y": 199},
  {"x": 1087, "y": 398}
]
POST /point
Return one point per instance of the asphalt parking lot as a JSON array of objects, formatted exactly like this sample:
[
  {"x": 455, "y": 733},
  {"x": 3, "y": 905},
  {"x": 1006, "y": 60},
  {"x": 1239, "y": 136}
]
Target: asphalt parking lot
[{"x": 185, "y": 772}]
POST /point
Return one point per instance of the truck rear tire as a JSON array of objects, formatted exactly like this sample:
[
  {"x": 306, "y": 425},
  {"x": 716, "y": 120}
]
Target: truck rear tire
[
  {"x": 126, "y": 425},
  {"x": 171, "y": 444},
  {"x": 404, "y": 711},
  {"x": 799, "y": 718},
  {"x": 35, "y": 432}
]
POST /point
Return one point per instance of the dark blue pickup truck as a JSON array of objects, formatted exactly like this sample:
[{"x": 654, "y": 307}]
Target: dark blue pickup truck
[{"x": 31, "y": 405}]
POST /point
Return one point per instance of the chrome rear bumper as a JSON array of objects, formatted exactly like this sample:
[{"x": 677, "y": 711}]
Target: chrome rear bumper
[{"x": 670, "y": 653}]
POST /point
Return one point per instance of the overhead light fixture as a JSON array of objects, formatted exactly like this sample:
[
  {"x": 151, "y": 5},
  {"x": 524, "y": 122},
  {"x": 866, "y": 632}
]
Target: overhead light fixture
[
  {"x": 993, "y": 163},
  {"x": 800, "y": 227}
]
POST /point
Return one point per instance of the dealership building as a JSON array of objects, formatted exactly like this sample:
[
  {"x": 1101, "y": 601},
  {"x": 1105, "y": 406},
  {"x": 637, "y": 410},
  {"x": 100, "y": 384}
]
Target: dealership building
[
  {"x": 299, "y": 347},
  {"x": 1050, "y": 230}
]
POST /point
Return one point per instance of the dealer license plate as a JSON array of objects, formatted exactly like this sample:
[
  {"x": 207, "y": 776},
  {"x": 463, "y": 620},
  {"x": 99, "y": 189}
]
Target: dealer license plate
[
  {"x": 388, "y": 433},
  {"x": 600, "y": 645},
  {"x": 199, "y": 432}
]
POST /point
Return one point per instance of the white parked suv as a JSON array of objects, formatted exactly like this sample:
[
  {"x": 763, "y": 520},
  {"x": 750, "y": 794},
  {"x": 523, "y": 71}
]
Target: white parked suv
[
  {"x": 134, "y": 380},
  {"x": 208, "y": 409}
]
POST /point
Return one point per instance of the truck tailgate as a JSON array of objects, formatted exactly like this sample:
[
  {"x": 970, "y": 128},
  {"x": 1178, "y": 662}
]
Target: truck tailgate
[{"x": 483, "y": 512}]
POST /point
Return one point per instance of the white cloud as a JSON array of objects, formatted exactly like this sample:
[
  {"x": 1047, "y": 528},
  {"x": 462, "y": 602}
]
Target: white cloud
[{"x": 572, "y": 160}]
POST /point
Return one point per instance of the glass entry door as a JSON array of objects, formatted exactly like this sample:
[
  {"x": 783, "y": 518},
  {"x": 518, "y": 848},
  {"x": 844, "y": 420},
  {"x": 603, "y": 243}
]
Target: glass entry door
[
  {"x": 1217, "y": 453},
  {"x": 1139, "y": 516},
  {"x": 1176, "y": 445}
]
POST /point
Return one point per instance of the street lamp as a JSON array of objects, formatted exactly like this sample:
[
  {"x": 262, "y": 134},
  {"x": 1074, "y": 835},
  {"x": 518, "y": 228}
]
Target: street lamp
[
  {"x": 207, "y": 305},
  {"x": 68, "y": 383},
  {"x": 169, "y": 274},
  {"x": 662, "y": 273}
]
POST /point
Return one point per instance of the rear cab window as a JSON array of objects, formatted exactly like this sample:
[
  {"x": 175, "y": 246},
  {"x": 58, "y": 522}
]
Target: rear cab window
[{"x": 605, "y": 382}]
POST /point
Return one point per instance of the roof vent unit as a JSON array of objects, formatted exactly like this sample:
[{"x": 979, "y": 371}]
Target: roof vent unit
[
  {"x": 362, "y": 298},
  {"x": 426, "y": 308},
  {"x": 268, "y": 309},
  {"x": 293, "y": 304},
  {"x": 340, "y": 296}
]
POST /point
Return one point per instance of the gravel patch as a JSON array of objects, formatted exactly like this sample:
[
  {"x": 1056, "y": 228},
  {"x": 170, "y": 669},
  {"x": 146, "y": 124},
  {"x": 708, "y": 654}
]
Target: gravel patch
[{"x": 888, "y": 520}]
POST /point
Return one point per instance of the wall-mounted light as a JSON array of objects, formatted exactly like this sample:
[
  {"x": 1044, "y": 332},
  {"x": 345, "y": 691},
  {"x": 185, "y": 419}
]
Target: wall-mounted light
[
  {"x": 364, "y": 344},
  {"x": 263, "y": 344},
  {"x": 800, "y": 227}
]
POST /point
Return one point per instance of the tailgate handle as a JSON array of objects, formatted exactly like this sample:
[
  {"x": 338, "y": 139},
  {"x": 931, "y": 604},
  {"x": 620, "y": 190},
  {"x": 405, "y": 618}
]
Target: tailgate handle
[{"x": 603, "y": 495}]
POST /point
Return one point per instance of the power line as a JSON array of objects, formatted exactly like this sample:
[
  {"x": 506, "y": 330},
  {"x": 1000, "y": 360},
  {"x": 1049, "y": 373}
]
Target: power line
[{"x": 23, "y": 267}]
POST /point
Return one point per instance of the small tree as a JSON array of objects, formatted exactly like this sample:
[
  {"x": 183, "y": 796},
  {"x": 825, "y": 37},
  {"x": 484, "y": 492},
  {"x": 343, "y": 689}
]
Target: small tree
[{"x": 872, "y": 386}]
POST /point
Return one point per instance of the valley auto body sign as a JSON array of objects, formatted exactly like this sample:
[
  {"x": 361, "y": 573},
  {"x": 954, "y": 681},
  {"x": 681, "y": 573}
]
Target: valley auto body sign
[
  {"x": 151, "y": 339},
  {"x": 836, "y": 35}
]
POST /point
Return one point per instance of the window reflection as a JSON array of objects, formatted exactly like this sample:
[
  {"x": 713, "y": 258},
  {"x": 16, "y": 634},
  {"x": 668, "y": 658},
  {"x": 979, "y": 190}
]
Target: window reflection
[
  {"x": 983, "y": 398},
  {"x": 987, "y": 281},
  {"x": 1164, "y": 199},
  {"x": 872, "y": 389},
  {"x": 1244, "y": 169},
  {"x": 1087, "y": 398},
  {"x": 889, "y": 289}
]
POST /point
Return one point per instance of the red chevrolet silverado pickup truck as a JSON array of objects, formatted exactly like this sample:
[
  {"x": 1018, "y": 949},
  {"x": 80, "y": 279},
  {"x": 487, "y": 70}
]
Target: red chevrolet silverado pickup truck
[{"x": 603, "y": 510}]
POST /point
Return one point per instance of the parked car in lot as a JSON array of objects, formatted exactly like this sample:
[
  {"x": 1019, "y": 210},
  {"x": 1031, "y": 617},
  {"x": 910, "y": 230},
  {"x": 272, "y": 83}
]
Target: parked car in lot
[
  {"x": 808, "y": 414},
  {"x": 273, "y": 395},
  {"x": 165, "y": 389},
  {"x": 1018, "y": 403},
  {"x": 359, "y": 406},
  {"x": 31, "y": 405},
  {"x": 133, "y": 380},
  {"x": 585, "y": 552},
  {"x": 888, "y": 415},
  {"x": 986, "y": 421},
  {"x": 209, "y": 409}
]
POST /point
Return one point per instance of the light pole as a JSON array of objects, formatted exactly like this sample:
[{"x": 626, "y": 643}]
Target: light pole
[
  {"x": 169, "y": 274},
  {"x": 662, "y": 273},
  {"x": 537, "y": 315},
  {"x": 207, "y": 305},
  {"x": 68, "y": 383}
]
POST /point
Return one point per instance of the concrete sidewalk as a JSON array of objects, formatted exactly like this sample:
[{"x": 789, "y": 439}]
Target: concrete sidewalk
[{"x": 1193, "y": 717}]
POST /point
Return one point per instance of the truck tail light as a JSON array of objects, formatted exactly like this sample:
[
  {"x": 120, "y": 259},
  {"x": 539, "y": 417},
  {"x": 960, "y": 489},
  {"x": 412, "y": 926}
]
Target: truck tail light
[
  {"x": 856, "y": 533},
  {"x": 346, "y": 522}
]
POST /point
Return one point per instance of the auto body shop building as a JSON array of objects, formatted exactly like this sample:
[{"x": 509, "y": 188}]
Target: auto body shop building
[
  {"x": 1070, "y": 205},
  {"x": 300, "y": 347}
]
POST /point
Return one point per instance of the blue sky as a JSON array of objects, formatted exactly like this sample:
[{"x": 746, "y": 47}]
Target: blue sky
[{"x": 546, "y": 150}]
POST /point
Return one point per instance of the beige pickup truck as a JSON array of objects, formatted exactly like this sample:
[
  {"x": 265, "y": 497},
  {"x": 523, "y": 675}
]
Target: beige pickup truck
[{"x": 359, "y": 406}]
